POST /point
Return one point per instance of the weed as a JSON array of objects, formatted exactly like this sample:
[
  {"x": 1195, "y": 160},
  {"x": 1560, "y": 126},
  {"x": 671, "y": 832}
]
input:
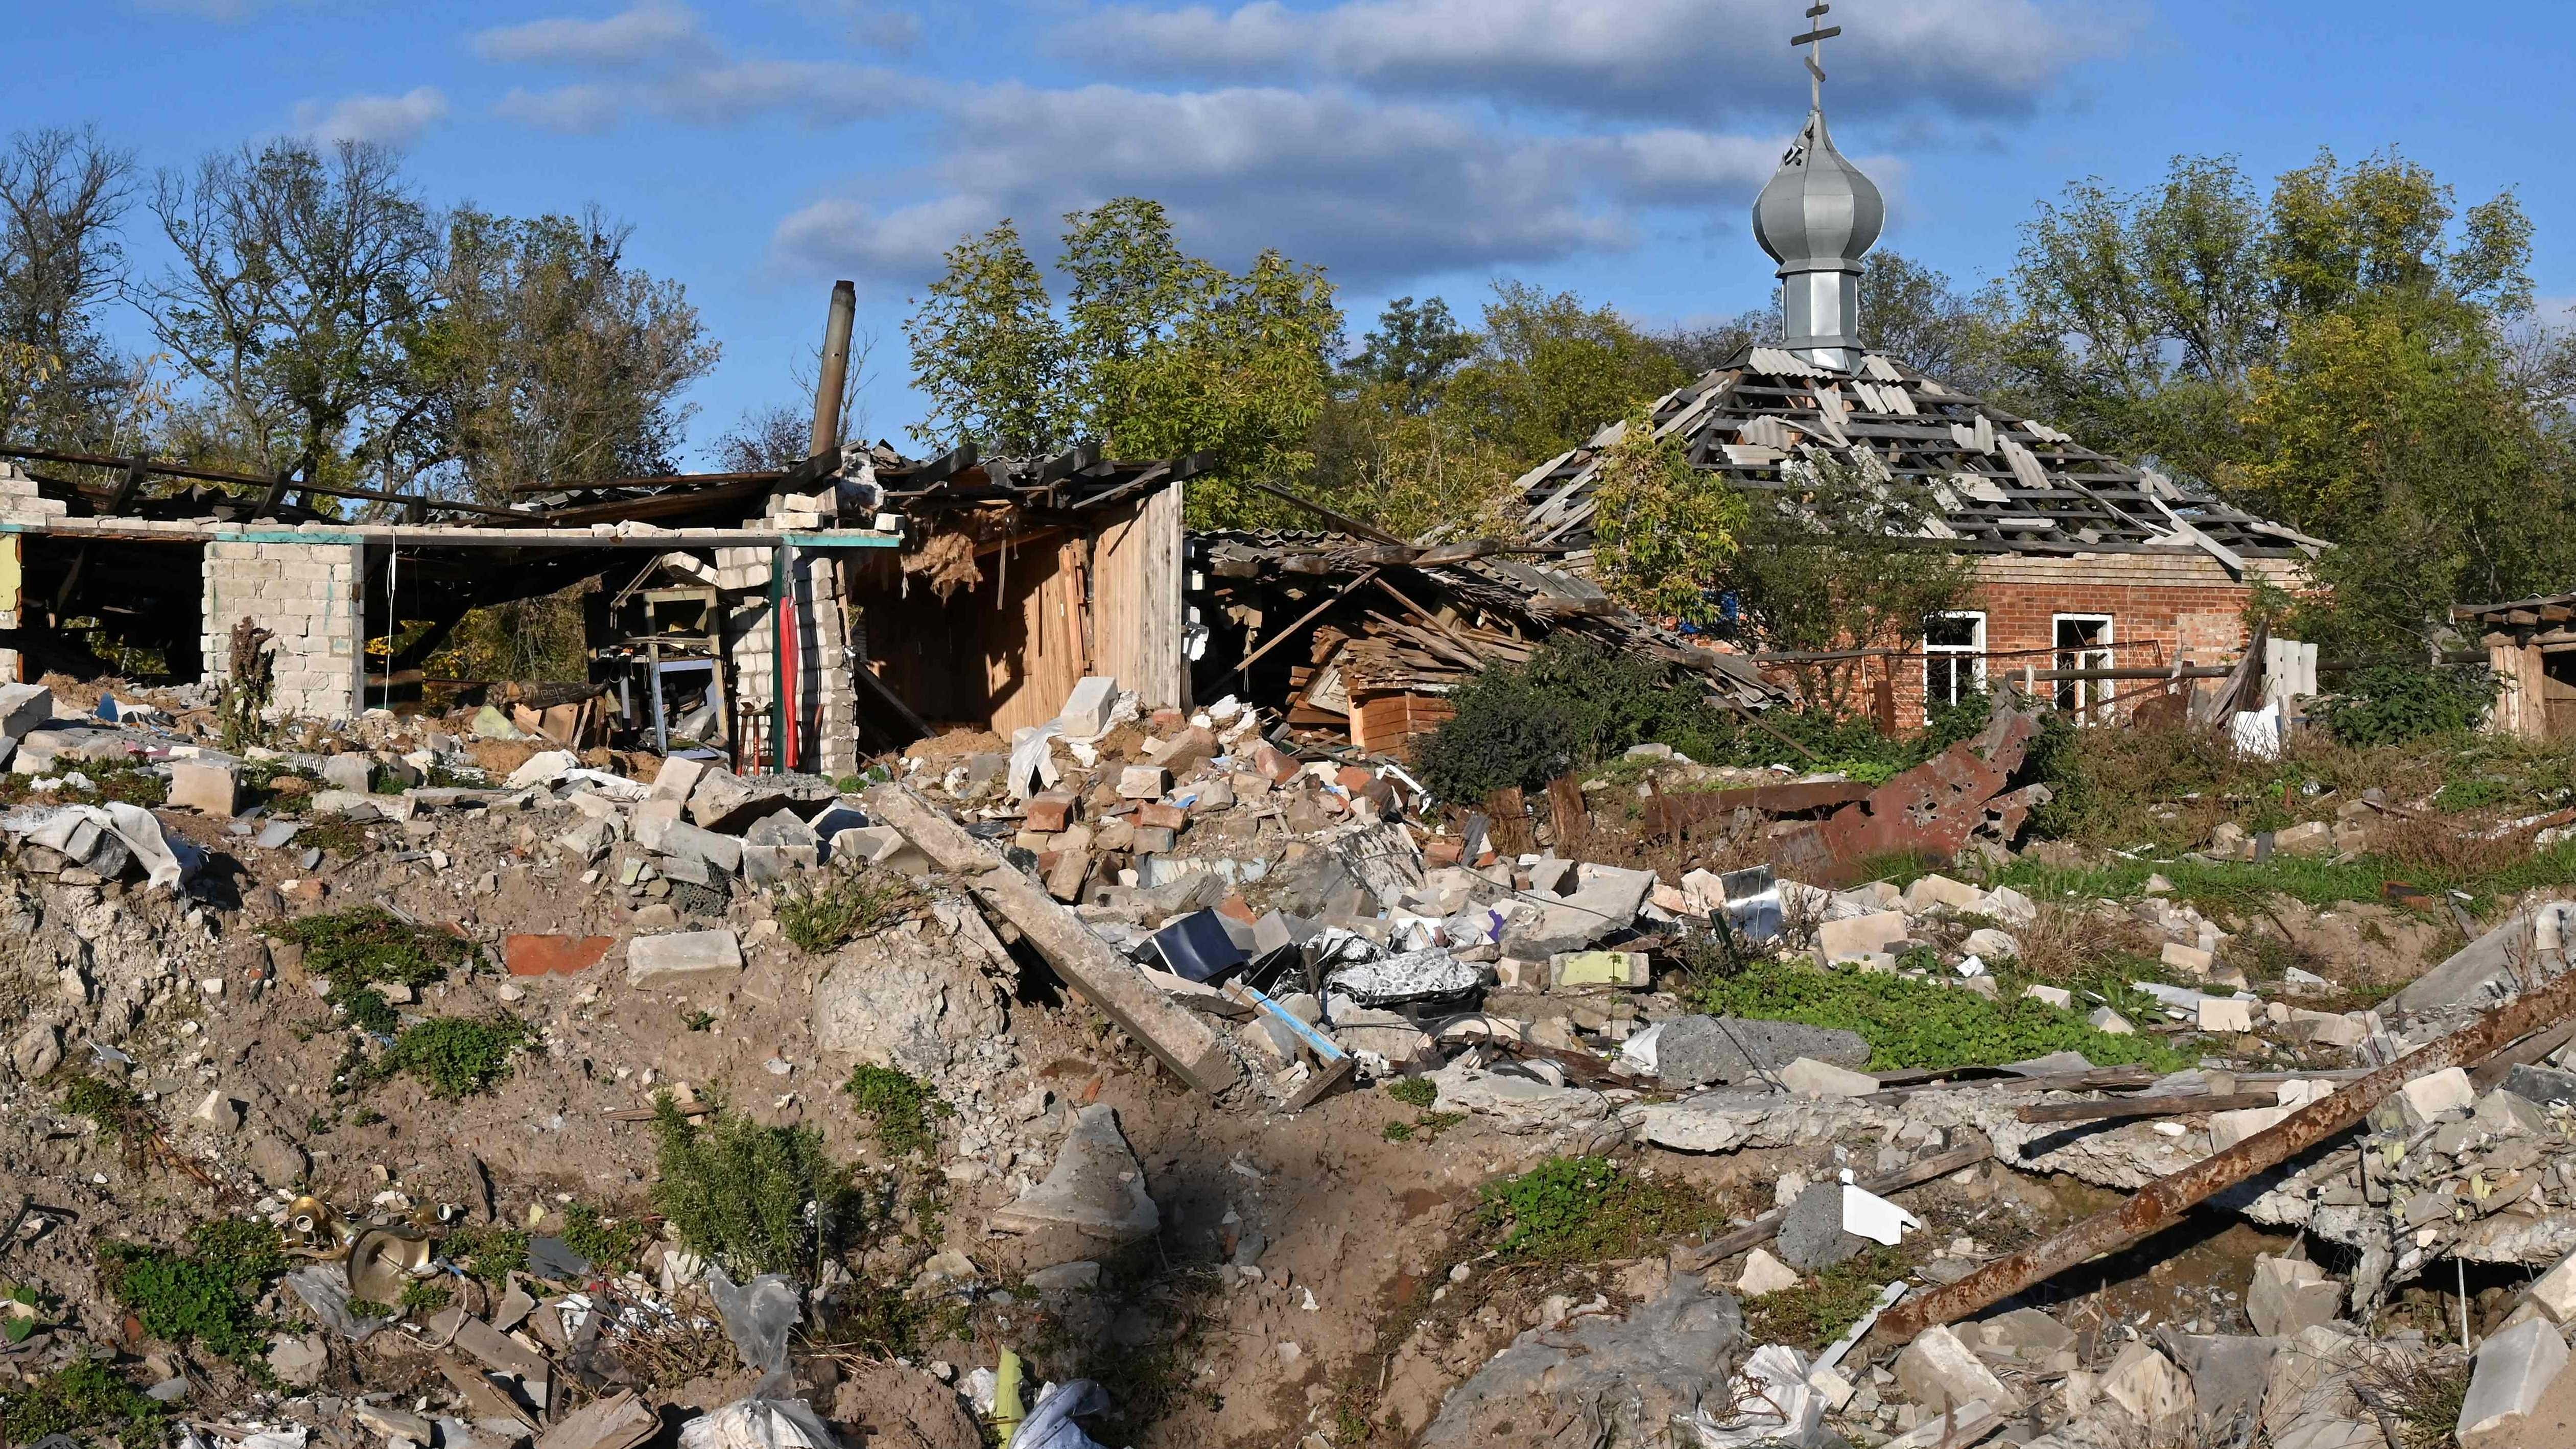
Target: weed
[
  {"x": 1585, "y": 1210},
  {"x": 1398, "y": 1132},
  {"x": 423, "y": 1299},
  {"x": 605, "y": 1241},
  {"x": 844, "y": 905},
  {"x": 755, "y": 1199},
  {"x": 368, "y": 943},
  {"x": 1817, "y": 1311},
  {"x": 197, "y": 1295},
  {"x": 488, "y": 1255},
  {"x": 337, "y": 834},
  {"x": 115, "y": 1107},
  {"x": 2421, "y": 1394},
  {"x": 697, "y": 1020},
  {"x": 458, "y": 1056},
  {"x": 2392, "y": 704},
  {"x": 900, "y": 1104},
  {"x": 84, "y": 1394},
  {"x": 1925, "y": 1023},
  {"x": 1414, "y": 1091}
]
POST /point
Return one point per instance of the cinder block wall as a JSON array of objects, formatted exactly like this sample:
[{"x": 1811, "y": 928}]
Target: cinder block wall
[
  {"x": 826, "y": 702},
  {"x": 306, "y": 594}
]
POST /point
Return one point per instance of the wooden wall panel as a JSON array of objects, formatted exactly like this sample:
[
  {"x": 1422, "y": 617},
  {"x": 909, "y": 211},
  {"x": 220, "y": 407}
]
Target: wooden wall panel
[{"x": 1136, "y": 600}]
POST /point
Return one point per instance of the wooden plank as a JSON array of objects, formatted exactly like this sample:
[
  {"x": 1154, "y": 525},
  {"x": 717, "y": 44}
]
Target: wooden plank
[
  {"x": 1109, "y": 981},
  {"x": 1136, "y": 605}
]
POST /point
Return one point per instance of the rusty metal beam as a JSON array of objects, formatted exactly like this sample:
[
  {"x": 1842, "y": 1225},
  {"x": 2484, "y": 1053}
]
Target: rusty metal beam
[{"x": 2161, "y": 1203}]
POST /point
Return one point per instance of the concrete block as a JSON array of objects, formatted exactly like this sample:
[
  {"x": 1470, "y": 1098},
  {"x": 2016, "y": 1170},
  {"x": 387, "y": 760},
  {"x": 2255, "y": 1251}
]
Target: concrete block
[
  {"x": 689, "y": 842},
  {"x": 2155, "y": 1393},
  {"x": 2555, "y": 1292},
  {"x": 2226, "y": 1013},
  {"x": 2226, "y": 1129},
  {"x": 2057, "y": 996},
  {"x": 1941, "y": 890},
  {"x": 683, "y": 960},
  {"x": 2512, "y": 1371},
  {"x": 211, "y": 787},
  {"x": 1808, "y": 1077},
  {"x": 677, "y": 778},
  {"x": 2438, "y": 1093},
  {"x": 1143, "y": 782},
  {"x": 2288, "y": 1294},
  {"x": 1086, "y": 710},
  {"x": 1937, "y": 1371},
  {"x": 24, "y": 707},
  {"x": 2188, "y": 958},
  {"x": 2111, "y": 1023},
  {"x": 2315, "y": 837},
  {"x": 350, "y": 772},
  {"x": 1859, "y": 935},
  {"x": 1765, "y": 1274}
]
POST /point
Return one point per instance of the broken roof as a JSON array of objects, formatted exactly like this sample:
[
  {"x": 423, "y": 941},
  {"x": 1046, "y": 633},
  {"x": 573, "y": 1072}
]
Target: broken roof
[
  {"x": 1509, "y": 604},
  {"x": 2556, "y": 609},
  {"x": 2000, "y": 483}
]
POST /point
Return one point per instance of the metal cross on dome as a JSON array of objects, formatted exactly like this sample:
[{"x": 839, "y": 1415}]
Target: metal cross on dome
[{"x": 1814, "y": 40}]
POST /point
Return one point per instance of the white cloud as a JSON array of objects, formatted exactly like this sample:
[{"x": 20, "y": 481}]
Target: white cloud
[
  {"x": 577, "y": 110},
  {"x": 392, "y": 120},
  {"x": 668, "y": 66},
  {"x": 1677, "y": 59},
  {"x": 1375, "y": 191},
  {"x": 653, "y": 31}
]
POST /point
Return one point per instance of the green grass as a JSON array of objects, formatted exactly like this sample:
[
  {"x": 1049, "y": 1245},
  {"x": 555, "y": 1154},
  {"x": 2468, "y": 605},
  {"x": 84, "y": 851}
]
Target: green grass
[
  {"x": 458, "y": 1056},
  {"x": 368, "y": 943},
  {"x": 488, "y": 1255},
  {"x": 607, "y": 1242},
  {"x": 423, "y": 1300},
  {"x": 901, "y": 1105},
  {"x": 738, "y": 1192},
  {"x": 1816, "y": 1312},
  {"x": 1428, "y": 1126},
  {"x": 202, "y": 1294},
  {"x": 2240, "y": 888},
  {"x": 82, "y": 1398},
  {"x": 824, "y": 915},
  {"x": 1414, "y": 1091},
  {"x": 1588, "y": 1210},
  {"x": 1924, "y": 1023},
  {"x": 114, "y": 1106}
]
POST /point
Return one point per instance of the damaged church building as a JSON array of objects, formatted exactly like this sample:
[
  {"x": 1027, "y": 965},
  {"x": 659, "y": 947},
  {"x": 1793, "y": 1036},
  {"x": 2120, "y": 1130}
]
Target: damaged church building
[{"x": 910, "y": 595}]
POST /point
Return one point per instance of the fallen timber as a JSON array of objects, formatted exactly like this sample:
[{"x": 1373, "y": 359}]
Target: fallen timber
[{"x": 2163, "y": 1202}]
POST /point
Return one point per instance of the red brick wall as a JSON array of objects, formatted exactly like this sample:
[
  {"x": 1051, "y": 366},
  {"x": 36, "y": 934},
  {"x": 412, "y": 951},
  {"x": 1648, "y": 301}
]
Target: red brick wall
[{"x": 2160, "y": 605}]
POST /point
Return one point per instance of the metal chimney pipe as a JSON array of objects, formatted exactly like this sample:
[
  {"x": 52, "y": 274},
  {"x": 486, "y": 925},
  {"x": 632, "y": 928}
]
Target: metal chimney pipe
[{"x": 835, "y": 369}]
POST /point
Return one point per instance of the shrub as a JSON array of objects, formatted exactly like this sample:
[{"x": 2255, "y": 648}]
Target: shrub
[
  {"x": 900, "y": 1104},
  {"x": 488, "y": 1255},
  {"x": 1573, "y": 705},
  {"x": 844, "y": 905},
  {"x": 2391, "y": 704},
  {"x": 115, "y": 1107},
  {"x": 605, "y": 1241},
  {"x": 755, "y": 1199},
  {"x": 457, "y": 1056}
]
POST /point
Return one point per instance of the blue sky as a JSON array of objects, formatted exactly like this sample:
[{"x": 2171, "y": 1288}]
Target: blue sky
[{"x": 764, "y": 147}]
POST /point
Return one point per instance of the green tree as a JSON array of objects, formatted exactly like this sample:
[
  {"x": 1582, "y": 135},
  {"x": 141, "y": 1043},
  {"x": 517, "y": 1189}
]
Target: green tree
[
  {"x": 1841, "y": 563},
  {"x": 1158, "y": 354},
  {"x": 988, "y": 352},
  {"x": 550, "y": 361},
  {"x": 1551, "y": 371},
  {"x": 1667, "y": 532},
  {"x": 1414, "y": 348},
  {"x": 300, "y": 277}
]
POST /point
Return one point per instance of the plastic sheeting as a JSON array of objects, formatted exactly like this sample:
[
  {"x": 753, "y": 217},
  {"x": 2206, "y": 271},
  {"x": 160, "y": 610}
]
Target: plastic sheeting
[
  {"x": 758, "y": 1316},
  {"x": 1050, "y": 1425},
  {"x": 758, "y": 1423}
]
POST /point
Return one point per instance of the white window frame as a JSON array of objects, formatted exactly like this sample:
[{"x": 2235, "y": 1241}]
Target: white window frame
[
  {"x": 1974, "y": 651},
  {"x": 2089, "y": 695}
]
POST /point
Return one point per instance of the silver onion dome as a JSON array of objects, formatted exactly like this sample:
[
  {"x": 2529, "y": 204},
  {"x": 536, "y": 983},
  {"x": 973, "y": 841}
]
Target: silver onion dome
[{"x": 1817, "y": 218}]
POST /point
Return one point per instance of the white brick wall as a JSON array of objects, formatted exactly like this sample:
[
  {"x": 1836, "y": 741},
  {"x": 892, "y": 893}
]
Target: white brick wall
[
  {"x": 826, "y": 704},
  {"x": 306, "y": 594}
]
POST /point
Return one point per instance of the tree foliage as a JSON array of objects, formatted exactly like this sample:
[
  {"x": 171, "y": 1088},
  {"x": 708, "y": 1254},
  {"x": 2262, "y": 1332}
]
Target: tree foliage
[
  {"x": 1666, "y": 531},
  {"x": 300, "y": 279},
  {"x": 1155, "y": 353},
  {"x": 549, "y": 361}
]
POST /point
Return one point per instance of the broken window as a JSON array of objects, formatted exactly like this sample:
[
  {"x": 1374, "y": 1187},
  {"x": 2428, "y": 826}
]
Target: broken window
[
  {"x": 2083, "y": 642},
  {"x": 1954, "y": 660}
]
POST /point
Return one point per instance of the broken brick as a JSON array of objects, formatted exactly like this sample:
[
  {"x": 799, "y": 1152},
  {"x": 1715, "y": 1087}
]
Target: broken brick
[
  {"x": 548, "y": 955},
  {"x": 1050, "y": 811}
]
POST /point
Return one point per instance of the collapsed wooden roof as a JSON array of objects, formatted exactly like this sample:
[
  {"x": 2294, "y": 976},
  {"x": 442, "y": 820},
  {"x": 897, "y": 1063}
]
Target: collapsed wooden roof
[
  {"x": 1769, "y": 420},
  {"x": 1423, "y": 618},
  {"x": 2556, "y": 612}
]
